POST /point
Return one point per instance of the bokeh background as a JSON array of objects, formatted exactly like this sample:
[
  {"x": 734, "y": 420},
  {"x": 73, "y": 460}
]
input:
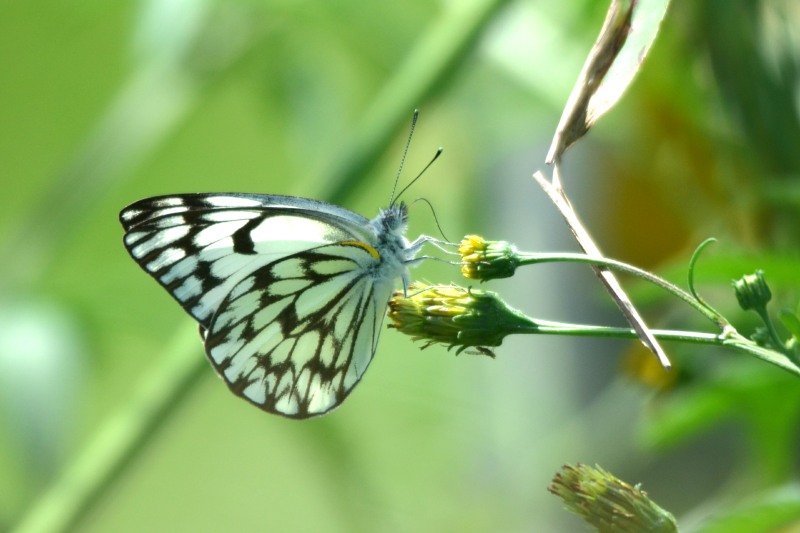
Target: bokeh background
[{"x": 104, "y": 103}]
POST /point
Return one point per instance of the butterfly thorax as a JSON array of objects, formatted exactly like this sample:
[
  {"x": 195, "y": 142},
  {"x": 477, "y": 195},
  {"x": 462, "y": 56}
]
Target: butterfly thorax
[{"x": 394, "y": 249}]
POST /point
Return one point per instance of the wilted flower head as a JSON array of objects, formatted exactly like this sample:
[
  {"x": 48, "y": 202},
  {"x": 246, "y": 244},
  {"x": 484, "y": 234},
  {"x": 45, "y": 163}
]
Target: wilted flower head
[
  {"x": 484, "y": 260},
  {"x": 609, "y": 504},
  {"x": 455, "y": 317}
]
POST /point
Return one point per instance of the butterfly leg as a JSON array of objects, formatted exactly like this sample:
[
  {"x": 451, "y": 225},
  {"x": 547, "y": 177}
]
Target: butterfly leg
[{"x": 422, "y": 240}]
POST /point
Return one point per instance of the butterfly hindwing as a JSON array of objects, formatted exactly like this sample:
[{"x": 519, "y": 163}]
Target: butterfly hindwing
[{"x": 296, "y": 335}]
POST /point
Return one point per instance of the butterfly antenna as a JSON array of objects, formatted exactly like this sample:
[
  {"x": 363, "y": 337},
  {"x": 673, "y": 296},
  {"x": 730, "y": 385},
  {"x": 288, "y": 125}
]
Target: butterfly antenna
[
  {"x": 435, "y": 218},
  {"x": 405, "y": 152},
  {"x": 435, "y": 157}
]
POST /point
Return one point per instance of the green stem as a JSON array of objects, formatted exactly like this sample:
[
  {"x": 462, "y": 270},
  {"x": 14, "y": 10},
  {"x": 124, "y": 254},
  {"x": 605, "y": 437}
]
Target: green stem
[
  {"x": 533, "y": 258},
  {"x": 773, "y": 332},
  {"x": 547, "y": 327},
  {"x": 729, "y": 338},
  {"x": 737, "y": 341}
]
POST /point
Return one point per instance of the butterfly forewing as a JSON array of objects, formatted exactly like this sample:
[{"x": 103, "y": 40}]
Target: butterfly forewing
[{"x": 199, "y": 246}]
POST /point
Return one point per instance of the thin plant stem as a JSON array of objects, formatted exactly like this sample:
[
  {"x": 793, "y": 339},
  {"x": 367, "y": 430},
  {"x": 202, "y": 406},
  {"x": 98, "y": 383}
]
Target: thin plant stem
[
  {"x": 578, "y": 330},
  {"x": 773, "y": 332},
  {"x": 529, "y": 326},
  {"x": 533, "y": 258}
]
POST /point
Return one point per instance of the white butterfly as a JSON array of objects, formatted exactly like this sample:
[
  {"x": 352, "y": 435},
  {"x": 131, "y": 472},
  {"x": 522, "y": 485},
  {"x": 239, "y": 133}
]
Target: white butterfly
[{"x": 290, "y": 293}]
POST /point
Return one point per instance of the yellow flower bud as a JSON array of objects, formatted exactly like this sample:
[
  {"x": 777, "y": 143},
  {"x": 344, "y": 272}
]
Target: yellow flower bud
[
  {"x": 484, "y": 260},
  {"x": 456, "y": 317}
]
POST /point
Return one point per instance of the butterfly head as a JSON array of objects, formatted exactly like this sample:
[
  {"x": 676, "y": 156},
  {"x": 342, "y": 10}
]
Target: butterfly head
[{"x": 393, "y": 219}]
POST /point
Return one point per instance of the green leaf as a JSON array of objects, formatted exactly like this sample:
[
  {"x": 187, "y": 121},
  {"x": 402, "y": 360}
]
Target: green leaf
[{"x": 768, "y": 512}]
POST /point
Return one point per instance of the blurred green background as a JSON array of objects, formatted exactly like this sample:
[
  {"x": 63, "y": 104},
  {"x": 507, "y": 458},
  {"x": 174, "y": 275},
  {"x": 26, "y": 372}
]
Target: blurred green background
[{"x": 104, "y": 103}]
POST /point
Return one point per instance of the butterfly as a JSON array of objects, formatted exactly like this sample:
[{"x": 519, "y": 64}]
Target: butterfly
[{"x": 290, "y": 293}]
